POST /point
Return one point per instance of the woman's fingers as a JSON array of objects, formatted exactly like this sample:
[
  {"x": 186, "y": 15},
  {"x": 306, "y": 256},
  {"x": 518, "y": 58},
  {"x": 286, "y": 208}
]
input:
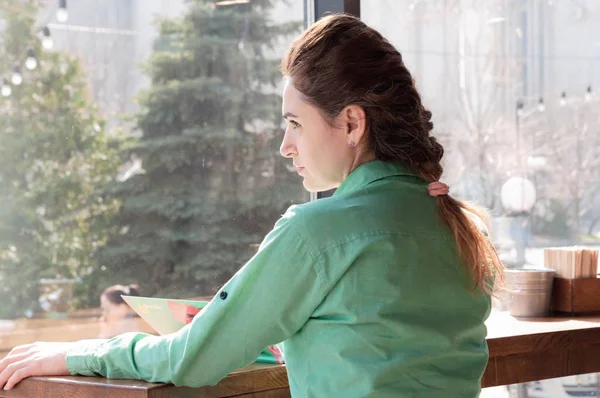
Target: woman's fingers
[
  {"x": 11, "y": 358},
  {"x": 22, "y": 348},
  {"x": 8, "y": 372},
  {"x": 18, "y": 375},
  {"x": 39, "y": 359}
]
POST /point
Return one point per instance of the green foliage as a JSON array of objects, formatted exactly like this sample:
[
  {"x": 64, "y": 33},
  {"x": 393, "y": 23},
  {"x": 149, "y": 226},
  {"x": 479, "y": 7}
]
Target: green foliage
[
  {"x": 56, "y": 163},
  {"x": 213, "y": 182}
]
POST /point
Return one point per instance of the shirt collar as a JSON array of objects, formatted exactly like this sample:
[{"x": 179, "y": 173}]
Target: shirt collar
[{"x": 369, "y": 172}]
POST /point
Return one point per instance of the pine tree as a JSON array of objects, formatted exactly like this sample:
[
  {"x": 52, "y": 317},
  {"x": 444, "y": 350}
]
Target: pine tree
[
  {"x": 56, "y": 162},
  {"x": 213, "y": 182}
]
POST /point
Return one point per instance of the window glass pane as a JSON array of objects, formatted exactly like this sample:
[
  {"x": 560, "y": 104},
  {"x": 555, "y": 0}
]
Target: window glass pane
[
  {"x": 513, "y": 87},
  {"x": 139, "y": 144}
]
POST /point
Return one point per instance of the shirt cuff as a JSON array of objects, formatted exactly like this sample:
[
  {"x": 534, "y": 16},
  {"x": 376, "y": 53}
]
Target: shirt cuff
[{"x": 81, "y": 359}]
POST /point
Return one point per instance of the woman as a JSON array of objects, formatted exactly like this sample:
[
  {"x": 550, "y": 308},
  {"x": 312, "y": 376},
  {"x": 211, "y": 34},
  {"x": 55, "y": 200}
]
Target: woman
[
  {"x": 117, "y": 317},
  {"x": 379, "y": 291}
]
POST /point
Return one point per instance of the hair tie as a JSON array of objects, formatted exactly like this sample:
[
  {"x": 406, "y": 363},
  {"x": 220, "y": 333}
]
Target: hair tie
[{"x": 438, "y": 188}]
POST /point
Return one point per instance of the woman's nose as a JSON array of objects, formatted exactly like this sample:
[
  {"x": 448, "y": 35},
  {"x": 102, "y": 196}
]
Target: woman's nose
[{"x": 288, "y": 147}]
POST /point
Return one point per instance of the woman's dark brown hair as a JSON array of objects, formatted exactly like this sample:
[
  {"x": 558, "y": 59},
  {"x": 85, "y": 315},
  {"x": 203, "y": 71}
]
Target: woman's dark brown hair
[
  {"x": 113, "y": 293},
  {"x": 340, "y": 61}
]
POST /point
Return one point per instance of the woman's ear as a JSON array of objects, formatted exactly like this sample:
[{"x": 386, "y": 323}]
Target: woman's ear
[{"x": 355, "y": 120}]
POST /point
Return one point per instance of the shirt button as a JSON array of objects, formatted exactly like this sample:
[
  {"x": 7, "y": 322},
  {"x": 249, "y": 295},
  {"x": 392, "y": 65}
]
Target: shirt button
[{"x": 223, "y": 295}]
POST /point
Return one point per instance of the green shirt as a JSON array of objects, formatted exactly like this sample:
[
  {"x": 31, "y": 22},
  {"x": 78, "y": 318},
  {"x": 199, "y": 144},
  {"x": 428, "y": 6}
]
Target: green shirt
[{"x": 365, "y": 290}]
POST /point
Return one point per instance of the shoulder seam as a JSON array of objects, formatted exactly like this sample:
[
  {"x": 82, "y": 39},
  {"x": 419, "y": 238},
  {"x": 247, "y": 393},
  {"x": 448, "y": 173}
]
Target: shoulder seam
[{"x": 316, "y": 258}]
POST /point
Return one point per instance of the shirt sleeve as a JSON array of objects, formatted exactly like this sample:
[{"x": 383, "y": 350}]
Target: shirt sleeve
[{"x": 264, "y": 303}]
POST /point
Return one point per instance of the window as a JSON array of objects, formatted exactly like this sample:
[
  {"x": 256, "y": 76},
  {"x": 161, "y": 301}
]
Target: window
[
  {"x": 139, "y": 144},
  {"x": 512, "y": 86}
]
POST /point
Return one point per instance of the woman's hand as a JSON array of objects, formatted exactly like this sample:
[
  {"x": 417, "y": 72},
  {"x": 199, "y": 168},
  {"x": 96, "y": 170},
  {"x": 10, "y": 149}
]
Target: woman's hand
[{"x": 37, "y": 359}]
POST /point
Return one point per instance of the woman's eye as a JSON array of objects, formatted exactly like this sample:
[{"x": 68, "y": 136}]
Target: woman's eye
[{"x": 295, "y": 124}]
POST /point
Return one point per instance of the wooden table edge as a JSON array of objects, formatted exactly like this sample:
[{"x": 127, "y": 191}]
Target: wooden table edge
[{"x": 579, "y": 339}]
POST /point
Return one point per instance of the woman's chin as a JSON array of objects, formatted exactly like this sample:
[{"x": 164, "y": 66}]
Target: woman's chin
[
  {"x": 308, "y": 186},
  {"x": 311, "y": 186}
]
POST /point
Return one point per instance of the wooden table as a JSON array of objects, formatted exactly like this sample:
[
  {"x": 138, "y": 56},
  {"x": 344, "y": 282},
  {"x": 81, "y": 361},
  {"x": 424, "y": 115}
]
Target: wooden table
[
  {"x": 520, "y": 351},
  {"x": 540, "y": 348}
]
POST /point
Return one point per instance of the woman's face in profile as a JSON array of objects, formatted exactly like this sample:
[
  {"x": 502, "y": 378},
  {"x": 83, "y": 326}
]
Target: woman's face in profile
[{"x": 319, "y": 151}]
